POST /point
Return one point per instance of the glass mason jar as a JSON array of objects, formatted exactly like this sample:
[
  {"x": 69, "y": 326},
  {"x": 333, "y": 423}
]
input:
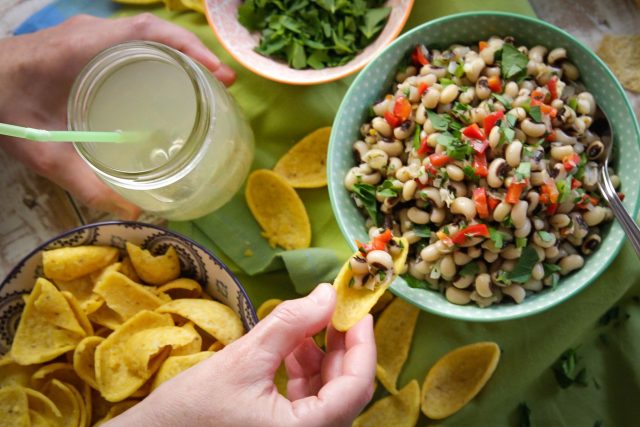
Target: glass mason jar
[{"x": 199, "y": 146}]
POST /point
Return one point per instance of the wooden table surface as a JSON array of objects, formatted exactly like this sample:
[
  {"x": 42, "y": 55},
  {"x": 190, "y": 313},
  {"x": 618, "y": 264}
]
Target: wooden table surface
[{"x": 33, "y": 210}]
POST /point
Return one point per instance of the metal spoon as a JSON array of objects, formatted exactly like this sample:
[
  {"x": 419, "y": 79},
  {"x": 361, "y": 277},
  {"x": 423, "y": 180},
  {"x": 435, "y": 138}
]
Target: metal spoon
[{"x": 628, "y": 224}]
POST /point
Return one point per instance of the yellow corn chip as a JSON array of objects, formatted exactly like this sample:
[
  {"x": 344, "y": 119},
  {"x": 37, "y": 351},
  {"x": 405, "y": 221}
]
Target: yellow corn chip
[
  {"x": 457, "y": 377},
  {"x": 218, "y": 320},
  {"x": 14, "y": 407},
  {"x": 194, "y": 346},
  {"x": 281, "y": 379},
  {"x": 47, "y": 328},
  {"x": 124, "y": 296},
  {"x": 176, "y": 364},
  {"x": 80, "y": 315},
  {"x": 154, "y": 270},
  {"x": 13, "y": 374},
  {"x": 67, "y": 400},
  {"x": 82, "y": 290},
  {"x": 399, "y": 410},
  {"x": 182, "y": 288},
  {"x": 43, "y": 405},
  {"x": 115, "y": 380},
  {"x": 37, "y": 420},
  {"x": 278, "y": 209},
  {"x": 61, "y": 371},
  {"x": 305, "y": 164},
  {"x": 84, "y": 360},
  {"x": 622, "y": 55},
  {"x": 126, "y": 268},
  {"x": 353, "y": 304},
  {"x": 382, "y": 303},
  {"x": 394, "y": 332},
  {"x": 215, "y": 346},
  {"x": 73, "y": 262},
  {"x": 106, "y": 317},
  {"x": 115, "y": 410},
  {"x": 267, "y": 307},
  {"x": 145, "y": 389}
]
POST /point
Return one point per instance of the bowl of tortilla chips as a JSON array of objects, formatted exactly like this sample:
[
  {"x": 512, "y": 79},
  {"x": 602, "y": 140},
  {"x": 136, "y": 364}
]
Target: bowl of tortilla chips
[{"x": 96, "y": 318}]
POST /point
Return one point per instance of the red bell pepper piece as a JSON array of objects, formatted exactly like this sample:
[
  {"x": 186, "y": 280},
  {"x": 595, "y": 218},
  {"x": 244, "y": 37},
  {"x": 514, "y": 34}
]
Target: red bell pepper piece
[
  {"x": 492, "y": 203},
  {"x": 575, "y": 184},
  {"x": 424, "y": 148},
  {"x": 471, "y": 231},
  {"x": 571, "y": 162},
  {"x": 495, "y": 84},
  {"x": 402, "y": 108},
  {"x": 551, "y": 137},
  {"x": 479, "y": 146},
  {"x": 552, "y": 209},
  {"x": 391, "y": 119},
  {"x": 482, "y": 45},
  {"x": 585, "y": 201},
  {"x": 537, "y": 97},
  {"x": 422, "y": 88},
  {"x": 418, "y": 55},
  {"x": 473, "y": 131},
  {"x": 480, "y": 164},
  {"x": 549, "y": 192},
  {"x": 480, "y": 200},
  {"x": 548, "y": 110},
  {"x": 490, "y": 121},
  {"x": 439, "y": 159},
  {"x": 380, "y": 241},
  {"x": 552, "y": 85},
  {"x": 514, "y": 191}
]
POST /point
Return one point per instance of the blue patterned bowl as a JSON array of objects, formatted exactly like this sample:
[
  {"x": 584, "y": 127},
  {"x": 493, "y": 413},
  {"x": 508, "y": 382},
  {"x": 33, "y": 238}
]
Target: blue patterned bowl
[
  {"x": 375, "y": 80},
  {"x": 196, "y": 262}
]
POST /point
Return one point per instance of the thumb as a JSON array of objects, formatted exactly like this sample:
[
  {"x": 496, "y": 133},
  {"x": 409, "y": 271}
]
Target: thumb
[{"x": 291, "y": 322}]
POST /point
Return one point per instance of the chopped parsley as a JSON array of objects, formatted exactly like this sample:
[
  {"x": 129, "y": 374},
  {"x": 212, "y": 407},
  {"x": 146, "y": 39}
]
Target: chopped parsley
[
  {"x": 366, "y": 193},
  {"x": 470, "y": 269},
  {"x": 438, "y": 121},
  {"x": 387, "y": 189},
  {"x": 521, "y": 273},
  {"x": 549, "y": 269},
  {"x": 535, "y": 113},
  {"x": 524, "y": 414},
  {"x": 513, "y": 63},
  {"x": 456, "y": 148},
  {"x": 521, "y": 242},
  {"x": 422, "y": 231},
  {"x": 497, "y": 237},
  {"x": 503, "y": 100},
  {"x": 545, "y": 236},
  {"x": 416, "y": 137},
  {"x": 567, "y": 371},
  {"x": 412, "y": 282},
  {"x": 523, "y": 171}
]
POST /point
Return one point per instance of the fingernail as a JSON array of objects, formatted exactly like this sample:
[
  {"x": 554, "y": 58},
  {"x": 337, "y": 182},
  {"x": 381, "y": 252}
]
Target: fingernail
[{"x": 322, "y": 294}]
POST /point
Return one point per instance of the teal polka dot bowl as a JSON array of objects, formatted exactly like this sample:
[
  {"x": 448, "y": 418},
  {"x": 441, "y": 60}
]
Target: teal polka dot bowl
[{"x": 376, "y": 79}]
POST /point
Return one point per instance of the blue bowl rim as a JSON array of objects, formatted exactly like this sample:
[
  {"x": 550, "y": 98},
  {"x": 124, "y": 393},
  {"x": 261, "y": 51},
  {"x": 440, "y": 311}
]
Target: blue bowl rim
[
  {"x": 43, "y": 245},
  {"x": 361, "y": 76}
]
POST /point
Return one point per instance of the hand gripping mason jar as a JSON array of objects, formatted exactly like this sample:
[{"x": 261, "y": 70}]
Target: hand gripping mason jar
[{"x": 197, "y": 146}]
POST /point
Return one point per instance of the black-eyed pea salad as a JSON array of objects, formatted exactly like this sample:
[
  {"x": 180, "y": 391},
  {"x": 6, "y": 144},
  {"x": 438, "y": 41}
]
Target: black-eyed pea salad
[{"x": 484, "y": 158}]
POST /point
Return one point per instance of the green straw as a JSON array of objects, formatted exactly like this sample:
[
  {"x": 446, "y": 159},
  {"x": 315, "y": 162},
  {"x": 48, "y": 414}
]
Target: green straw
[{"x": 69, "y": 136}]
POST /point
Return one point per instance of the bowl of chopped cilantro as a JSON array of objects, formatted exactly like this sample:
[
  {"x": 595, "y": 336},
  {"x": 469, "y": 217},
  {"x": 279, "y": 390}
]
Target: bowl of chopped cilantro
[
  {"x": 477, "y": 137},
  {"x": 305, "y": 42}
]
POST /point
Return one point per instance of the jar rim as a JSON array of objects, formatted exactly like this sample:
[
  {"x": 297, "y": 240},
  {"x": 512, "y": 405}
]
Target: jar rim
[{"x": 105, "y": 64}]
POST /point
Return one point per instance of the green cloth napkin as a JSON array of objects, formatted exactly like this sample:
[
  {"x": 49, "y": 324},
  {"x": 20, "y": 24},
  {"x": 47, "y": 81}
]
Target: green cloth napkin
[{"x": 280, "y": 115}]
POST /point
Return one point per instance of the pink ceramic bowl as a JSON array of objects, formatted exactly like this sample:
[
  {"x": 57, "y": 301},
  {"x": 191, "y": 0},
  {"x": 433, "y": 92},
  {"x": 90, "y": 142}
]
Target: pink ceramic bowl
[{"x": 239, "y": 42}]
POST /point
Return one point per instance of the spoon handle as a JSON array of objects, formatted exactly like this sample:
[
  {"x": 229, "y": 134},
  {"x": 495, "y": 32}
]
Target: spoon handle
[{"x": 629, "y": 226}]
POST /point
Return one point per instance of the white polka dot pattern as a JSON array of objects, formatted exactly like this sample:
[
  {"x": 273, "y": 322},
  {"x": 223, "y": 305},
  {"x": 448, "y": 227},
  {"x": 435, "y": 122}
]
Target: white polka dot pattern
[{"x": 376, "y": 78}]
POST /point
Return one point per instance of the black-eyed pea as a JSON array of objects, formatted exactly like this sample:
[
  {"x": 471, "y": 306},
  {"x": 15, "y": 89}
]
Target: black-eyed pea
[
  {"x": 409, "y": 190},
  {"x": 483, "y": 285},
  {"x": 511, "y": 89},
  {"x": 538, "y": 224},
  {"x": 501, "y": 211},
  {"x": 463, "y": 282},
  {"x": 430, "y": 253},
  {"x": 393, "y": 166},
  {"x": 418, "y": 216},
  {"x": 551, "y": 252},
  {"x": 457, "y": 296},
  {"x": 519, "y": 113},
  {"x": 590, "y": 243},
  {"x": 548, "y": 241},
  {"x": 490, "y": 256},
  {"x": 516, "y": 292},
  {"x": 421, "y": 114},
  {"x": 494, "y": 137},
  {"x": 570, "y": 263},
  {"x": 490, "y": 246},
  {"x": 405, "y": 130},
  {"x": 411, "y": 237},
  {"x": 431, "y": 98},
  {"x": 556, "y": 55},
  {"x": 467, "y": 96},
  {"x": 491, "y": 71},
  {"x": 481, "y": 301},
  {"x": 371, "y": 179},
  {"x": 393, "y": 148},
  {"x": 438, "y": 215},
  {"x": 473, "y": 68},
  {"x": 533, "y": 129},
  {"x": 594, "y": 216},
  {"x": 359, "y": 266},
  {"x": 449, "y": 94},
  {"x": 482, "y": 88},
  {"x": 421, "y": 267},
  {"x": 448, "y": 267},
  {"x": 464, "y": 206},
  {"x": 559, "y": 151},
  {"x": 472, "y": 242},
  {"x": 519, "y": 214},
  {"x": 443, "y": 248},
  {"x": 495, "y": 177},
  {"x": 586, "y": 104},
  {"x": 533, "y": 285},
  {"x": 513, "y": 153},
  {"x": 537, "y": 273},
  {"x": 558, "y": 221},
  {"x": 376, "y": 158},
  {"x": 461, "y": 258},
  {"x": 540, "y": 252},
  {"x": 380, "y": 259},
  {"x": 533, "y": 198},
  {"x": 551, "y": 279},
  {"x": 388, "y": 203},
  {"x": 351, "y": 178},
  {"x": 474, "y": 252},
  {"x": 381, "y": 126},
  {"x": 570, "y": 71},
  {"x": 608, "y": 214},
  {"x": 511, "y": 252},
  {"x": 537, "y": 53},
  {"x": 523, "y": 231}
]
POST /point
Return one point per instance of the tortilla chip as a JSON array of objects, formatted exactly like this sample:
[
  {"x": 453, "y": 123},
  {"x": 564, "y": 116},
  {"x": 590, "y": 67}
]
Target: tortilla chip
[
  {"x": 71, "y": 263},
  {"x": 394, "y": 332},
  {"x": 43, "y": 405},
  {"x": 399, "y": 410},
  {"x": 67, "y": 400},
  {"x": 115, "y": 410},
  {"x": 14, "y": 407},
  {"x": 215, "y": 346},
  {"x": 218, "y": 320},
  {"x": 267, "y": 307},
  {"x": 353, "y": 304},
  {"x": 382, "y": 303},
  {"x": 182, "y": 288},
  {"x": 457, "y": 377},
  {"x": 48, "y": 327},
  {"x": 305, "y": 164},
  {"x": 84, "y": 360},
  {"x": 80, "y": 315},
  {"x": 278, "y": 209},
  {"x": 176, "y": 364},
  {"x": 105, "y": 316},
  {"x": 37, "y": 420},
  {"x": 60, "y": 371},
  {"x": 124, "y": 296},
  {"x": 114, "y": 378},
  {"x": 154, "y": 270},
  {"x": 12, "y": 373},
  {"x": 622, "y": 55},
  {"x": 126, "y": 268},
  {"x": 82, "y": 290}
]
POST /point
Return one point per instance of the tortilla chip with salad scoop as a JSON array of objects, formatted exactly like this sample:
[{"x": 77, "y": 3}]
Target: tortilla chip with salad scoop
[{"x": 366, "y": 276}]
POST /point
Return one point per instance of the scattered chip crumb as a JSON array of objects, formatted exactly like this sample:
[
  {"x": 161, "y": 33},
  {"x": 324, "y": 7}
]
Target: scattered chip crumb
[
  {"x": 248, "y": 252},
  {"x": 622, "y": 55}
]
